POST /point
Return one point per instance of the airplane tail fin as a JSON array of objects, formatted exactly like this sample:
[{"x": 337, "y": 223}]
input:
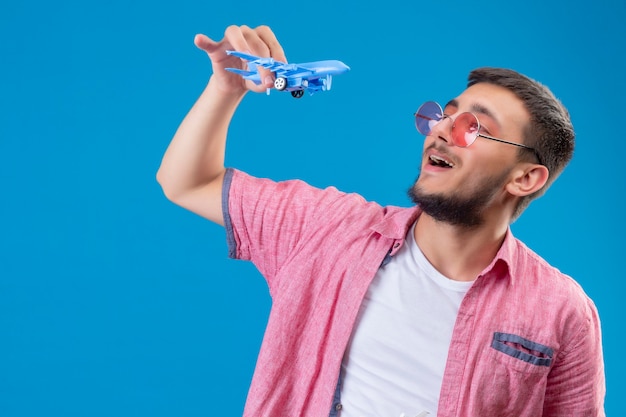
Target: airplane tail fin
[{"x": 328, "y": 82}]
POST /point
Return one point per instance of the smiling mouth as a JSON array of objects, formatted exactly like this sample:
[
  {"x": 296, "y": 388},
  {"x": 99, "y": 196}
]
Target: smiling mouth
[{"x": 438, "y": 161}]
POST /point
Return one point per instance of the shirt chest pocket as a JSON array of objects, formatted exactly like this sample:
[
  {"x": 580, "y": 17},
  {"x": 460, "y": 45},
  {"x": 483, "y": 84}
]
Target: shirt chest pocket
[
  {"x": 512, "y": 377},
  {"x": 521, "y": 354}
]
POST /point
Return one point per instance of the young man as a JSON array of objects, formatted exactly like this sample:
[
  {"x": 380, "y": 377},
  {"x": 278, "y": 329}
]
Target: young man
[{"x": 384, "y": 311}]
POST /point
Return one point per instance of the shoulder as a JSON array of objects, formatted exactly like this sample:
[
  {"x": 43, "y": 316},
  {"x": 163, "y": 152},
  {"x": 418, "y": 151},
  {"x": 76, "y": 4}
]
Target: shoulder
[
  {"x": 303, "y": 206},
  {"x": 557, "y": 289},
  {"x": 240, "y": 182},
  {"x": 295, "y": 194}
]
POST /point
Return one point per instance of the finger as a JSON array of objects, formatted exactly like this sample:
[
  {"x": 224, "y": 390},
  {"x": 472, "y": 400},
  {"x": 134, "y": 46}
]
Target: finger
[
  {"x": 275, "y": 49},
  {"x": 256, "y": 46},
  {"x": 205, "y": 43},
  {"x": 264, "y": 43},
  {"x": 240, "y": 38},
  {"x": 234, "y": 35},
  {"x": 233, "y": 39},
  {"x": 255, "y": 43}
]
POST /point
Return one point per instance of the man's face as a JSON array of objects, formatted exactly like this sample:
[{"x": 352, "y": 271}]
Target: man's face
[{"x": 460, "y": 190}]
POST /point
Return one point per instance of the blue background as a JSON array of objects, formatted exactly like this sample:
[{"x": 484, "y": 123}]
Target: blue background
[{"x": 115, "y": 302}]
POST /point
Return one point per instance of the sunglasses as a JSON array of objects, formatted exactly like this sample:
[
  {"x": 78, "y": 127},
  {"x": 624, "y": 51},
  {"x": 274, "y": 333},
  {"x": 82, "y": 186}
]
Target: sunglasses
[{"x": 465, "y": 127}]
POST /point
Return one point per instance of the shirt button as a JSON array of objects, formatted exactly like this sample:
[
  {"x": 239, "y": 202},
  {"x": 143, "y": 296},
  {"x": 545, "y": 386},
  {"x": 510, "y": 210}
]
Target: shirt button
[
  {"x": 395, "y": 246},
  {"x": 338, "y": 407}
]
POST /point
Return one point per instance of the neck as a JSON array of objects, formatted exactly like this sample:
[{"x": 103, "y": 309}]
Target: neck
[{"x": 459, "y": 253}]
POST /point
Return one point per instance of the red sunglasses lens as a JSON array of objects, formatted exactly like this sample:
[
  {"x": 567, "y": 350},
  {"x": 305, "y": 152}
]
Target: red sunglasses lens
[{"x": 465, "y": 130}]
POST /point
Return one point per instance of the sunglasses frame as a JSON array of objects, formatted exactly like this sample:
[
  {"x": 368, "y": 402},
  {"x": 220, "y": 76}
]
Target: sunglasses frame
[{"x": 419, "y": 115}]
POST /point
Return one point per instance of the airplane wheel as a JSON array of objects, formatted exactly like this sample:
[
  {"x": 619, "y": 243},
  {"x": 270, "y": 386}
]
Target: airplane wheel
[
  {"x": 280, "y": 83},
  {"x": 297, "y": 93}
]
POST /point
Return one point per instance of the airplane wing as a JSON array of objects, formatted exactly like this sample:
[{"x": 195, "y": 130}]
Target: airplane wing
[
  {"x": 312, "y": 76},
  {"x": 281, "y": 69},
  {"x": 241, "y": 72},
  {"x": 269, "y": 63},
  {"x": 293, "y": 71}
]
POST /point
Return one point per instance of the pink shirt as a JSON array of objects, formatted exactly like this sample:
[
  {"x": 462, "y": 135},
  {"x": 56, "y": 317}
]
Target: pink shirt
[{"x": 526, "y": 342}]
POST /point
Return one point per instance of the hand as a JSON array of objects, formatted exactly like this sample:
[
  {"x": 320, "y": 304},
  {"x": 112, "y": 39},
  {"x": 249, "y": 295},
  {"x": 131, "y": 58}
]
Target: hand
[{"x": 259, "y": 41}]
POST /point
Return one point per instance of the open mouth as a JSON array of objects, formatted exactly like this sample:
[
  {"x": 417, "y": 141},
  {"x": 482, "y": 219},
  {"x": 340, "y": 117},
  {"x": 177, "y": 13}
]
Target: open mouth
[{"x": 438, "y": 161}]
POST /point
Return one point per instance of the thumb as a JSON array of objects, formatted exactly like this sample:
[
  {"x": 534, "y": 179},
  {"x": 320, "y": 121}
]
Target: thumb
[{"x": 205, "y": 43}]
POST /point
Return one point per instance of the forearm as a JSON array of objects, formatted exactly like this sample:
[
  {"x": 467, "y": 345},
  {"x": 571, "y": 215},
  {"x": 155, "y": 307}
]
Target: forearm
[
  {"x": 195, "y": 157},
  {"x": 192, "y": 170}
]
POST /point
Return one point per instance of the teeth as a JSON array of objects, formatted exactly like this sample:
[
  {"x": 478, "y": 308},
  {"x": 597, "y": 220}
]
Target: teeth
[{"x": 440, "y": 161}]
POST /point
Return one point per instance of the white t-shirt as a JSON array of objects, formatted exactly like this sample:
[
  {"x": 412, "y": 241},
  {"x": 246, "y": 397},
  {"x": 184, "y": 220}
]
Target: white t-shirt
[{"x": 396, "y": 356}]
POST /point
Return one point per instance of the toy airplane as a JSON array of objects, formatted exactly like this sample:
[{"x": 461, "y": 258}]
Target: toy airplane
[{"x": 295, "y": 78}]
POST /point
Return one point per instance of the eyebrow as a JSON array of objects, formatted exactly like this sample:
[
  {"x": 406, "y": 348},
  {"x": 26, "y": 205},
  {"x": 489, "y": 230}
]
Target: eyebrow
[{"x": 475, "y": 108}]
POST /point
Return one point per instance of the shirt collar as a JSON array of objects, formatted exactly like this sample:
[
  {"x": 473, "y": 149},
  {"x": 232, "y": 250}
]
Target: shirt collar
[
  {"x": 506, "y": 262},
  {"x": 397, "y": 222}
]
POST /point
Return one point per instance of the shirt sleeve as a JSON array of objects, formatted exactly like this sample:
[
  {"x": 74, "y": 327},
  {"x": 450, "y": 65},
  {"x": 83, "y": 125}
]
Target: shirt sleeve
[{"x": 267, "y": 222}]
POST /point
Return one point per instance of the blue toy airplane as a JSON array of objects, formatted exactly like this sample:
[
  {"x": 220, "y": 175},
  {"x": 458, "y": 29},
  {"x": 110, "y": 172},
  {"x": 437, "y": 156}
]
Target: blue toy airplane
[{"x": 296, "y": 78}]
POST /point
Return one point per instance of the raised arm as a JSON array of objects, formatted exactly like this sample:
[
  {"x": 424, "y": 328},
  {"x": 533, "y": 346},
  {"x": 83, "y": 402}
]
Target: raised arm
[{"x": 192, "y": 169}]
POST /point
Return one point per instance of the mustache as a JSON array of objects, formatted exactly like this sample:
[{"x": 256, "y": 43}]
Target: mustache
[{"x": 442, "y": 150}]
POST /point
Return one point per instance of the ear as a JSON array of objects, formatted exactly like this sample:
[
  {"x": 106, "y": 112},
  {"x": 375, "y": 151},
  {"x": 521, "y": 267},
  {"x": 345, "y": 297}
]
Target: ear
[{"x": 527, "y": 179}]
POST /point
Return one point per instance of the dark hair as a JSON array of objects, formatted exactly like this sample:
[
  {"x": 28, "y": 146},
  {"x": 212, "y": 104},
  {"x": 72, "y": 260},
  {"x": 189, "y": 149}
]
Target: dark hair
[{"x": 550, "y": 131}]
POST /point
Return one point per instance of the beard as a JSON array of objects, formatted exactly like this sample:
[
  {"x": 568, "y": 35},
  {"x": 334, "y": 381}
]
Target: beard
[{"x": 465, "y": 209}]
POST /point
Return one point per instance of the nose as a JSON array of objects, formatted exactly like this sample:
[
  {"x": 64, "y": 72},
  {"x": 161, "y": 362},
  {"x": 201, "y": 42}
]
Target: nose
[
  {"x": 343, "y": 67},
  {"x": 442, "y": 129}
]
